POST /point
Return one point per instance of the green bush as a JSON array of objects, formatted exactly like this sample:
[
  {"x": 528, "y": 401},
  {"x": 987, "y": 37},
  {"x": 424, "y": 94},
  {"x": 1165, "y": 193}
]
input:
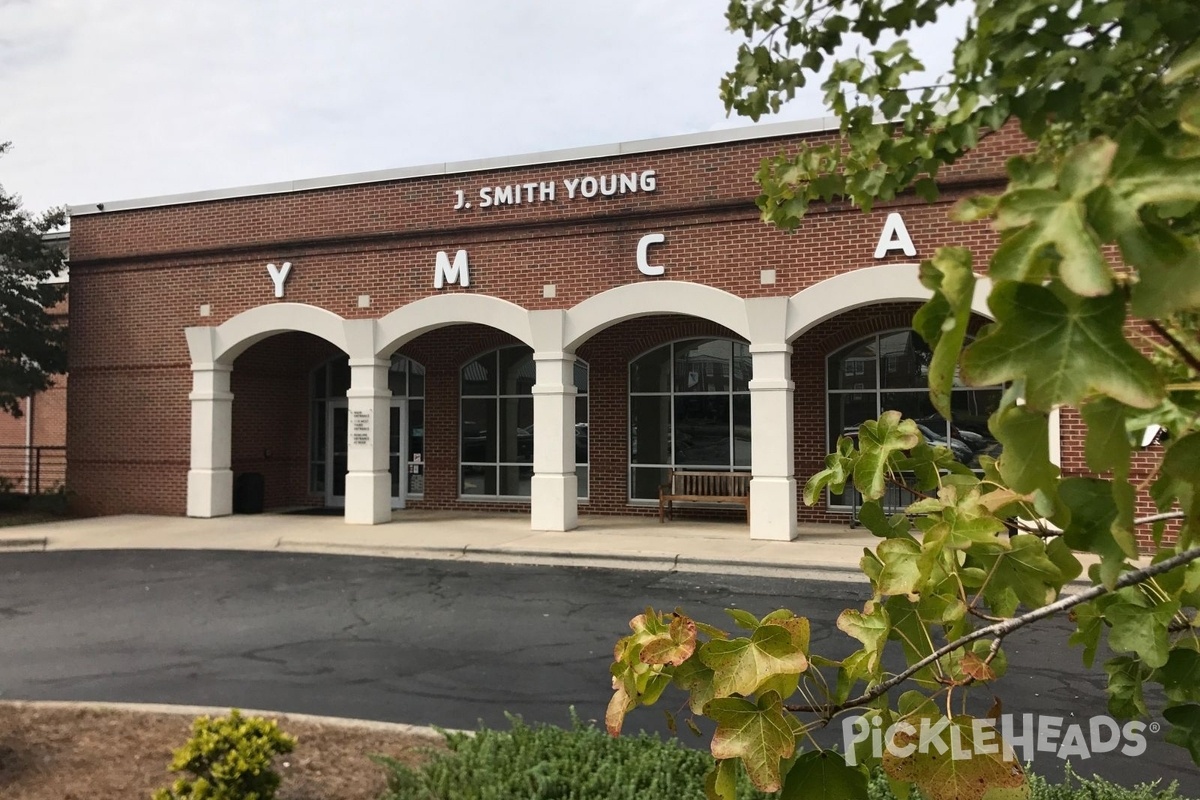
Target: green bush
[
  {"x": 541, "y": 762},
  {"x": 229, "y": 758},
  {"x": 544, "y": 762}
]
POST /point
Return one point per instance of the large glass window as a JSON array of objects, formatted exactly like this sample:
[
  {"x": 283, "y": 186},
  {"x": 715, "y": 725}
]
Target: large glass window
[
  {"x": 890, "y": 371},
  {"x": 328, "y": 384},
  {"x": 496, "y": 424},
  {"x": 689, "y": 406}
]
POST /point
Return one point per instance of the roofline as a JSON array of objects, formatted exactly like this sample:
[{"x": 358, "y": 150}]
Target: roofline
[{"x": 747, "y": 133}]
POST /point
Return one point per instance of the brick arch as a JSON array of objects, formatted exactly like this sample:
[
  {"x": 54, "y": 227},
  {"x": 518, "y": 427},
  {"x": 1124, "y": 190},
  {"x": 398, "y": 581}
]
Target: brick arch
[{"x": 653, "y": 298}]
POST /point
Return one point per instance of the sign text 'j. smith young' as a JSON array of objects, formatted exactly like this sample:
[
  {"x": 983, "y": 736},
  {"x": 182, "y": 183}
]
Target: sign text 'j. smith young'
[{"x": 585, "y": 186}]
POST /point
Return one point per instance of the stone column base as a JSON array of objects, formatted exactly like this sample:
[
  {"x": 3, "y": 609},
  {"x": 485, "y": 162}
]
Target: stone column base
[
  {"x": 773, "y": 508},
  {"x": 209, "y": 493},
  {"x": 368, "y": 498},
  {"x": 553, "y": 505}
]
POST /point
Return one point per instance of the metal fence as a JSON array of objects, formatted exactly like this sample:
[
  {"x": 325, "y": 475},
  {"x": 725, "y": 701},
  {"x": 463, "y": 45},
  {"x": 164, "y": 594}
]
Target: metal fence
[{"x": 32, "y": 470}]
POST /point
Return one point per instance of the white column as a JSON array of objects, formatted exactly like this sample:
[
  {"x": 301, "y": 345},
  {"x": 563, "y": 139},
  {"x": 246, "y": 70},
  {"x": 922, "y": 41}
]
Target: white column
[
  {"x": 368, "y": 483},
  {"x": 773, "y": 461},
  {"x": 210, "y": 478},
  {"x": 554, "y": 500}
]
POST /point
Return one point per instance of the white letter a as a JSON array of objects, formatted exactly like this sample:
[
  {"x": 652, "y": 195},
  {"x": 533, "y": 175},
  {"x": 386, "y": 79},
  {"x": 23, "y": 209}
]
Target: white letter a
[{"x": 895, "y": 237}]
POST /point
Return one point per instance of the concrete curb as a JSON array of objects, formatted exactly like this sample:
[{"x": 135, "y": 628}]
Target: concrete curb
[
  {"x": 668, "y": 561},
  {"x": 218, "y": 711}
]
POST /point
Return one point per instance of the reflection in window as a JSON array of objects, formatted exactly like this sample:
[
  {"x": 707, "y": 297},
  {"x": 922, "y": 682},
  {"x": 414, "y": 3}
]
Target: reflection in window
[
  {"x": 689, "y": 406},
  {"x": 496, "y": 424},
  {"x": 890, "y": 371}
]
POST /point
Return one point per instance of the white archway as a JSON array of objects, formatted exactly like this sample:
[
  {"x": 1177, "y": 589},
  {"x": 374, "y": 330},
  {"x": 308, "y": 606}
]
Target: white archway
[
  {"x": 410, "y": 321},
  {"x": 236, "y": 335},
  {"x": 632, "y": 300},
  {"x": 863, "y": 287},
  {"x": 213, "y": 351}
]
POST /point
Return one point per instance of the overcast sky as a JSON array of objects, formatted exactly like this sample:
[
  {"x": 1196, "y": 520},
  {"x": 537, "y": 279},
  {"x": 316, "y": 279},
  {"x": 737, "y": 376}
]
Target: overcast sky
[{"x": 119, "y": 99}]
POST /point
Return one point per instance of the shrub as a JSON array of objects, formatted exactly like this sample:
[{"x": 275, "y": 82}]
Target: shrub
[
  {"x": 229, "y": 758},
  {"x": 542, "y": 762}
]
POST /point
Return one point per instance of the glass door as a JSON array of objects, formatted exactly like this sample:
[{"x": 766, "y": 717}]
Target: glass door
[
  {"x": 398, "y": 464},
  {"x": 337, "y": 433},
  {"x": 337, "y": 430}
]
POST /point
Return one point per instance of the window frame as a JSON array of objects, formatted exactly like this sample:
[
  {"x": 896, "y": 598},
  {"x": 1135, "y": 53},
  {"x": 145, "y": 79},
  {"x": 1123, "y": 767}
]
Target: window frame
[
  {"x": 583, "y": 487},
  {"x": 878, "y": 391},
  {"x": 672, "y": 393}
]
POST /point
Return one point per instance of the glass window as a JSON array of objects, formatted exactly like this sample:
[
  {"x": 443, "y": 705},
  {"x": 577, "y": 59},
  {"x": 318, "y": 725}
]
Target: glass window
[
  {"x": 329, "y": 382},
  {"x": 696, "y": 416},
  {"x": 497, "y": 425},
  {"x": 890, "y": 371}
]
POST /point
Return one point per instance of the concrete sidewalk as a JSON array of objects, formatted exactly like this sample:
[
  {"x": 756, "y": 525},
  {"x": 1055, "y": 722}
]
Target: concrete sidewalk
[{"x": 827, "y": 552}]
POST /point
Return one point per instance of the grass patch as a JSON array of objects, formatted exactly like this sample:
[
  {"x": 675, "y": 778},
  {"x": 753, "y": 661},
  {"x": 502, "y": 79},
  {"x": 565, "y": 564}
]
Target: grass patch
[{"x": 545, "y": 762}]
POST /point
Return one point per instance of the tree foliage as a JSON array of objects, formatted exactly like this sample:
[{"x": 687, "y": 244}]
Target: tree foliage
[
  {"x": 33, "y": 345},
  {"x": 1096, "y": 301}
]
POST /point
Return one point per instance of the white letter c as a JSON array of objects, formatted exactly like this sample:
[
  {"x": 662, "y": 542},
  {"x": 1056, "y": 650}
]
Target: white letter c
[{"x": 643, "y": 245}]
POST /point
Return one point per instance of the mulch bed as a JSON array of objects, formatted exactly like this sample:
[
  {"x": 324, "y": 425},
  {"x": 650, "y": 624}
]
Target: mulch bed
[{"x": 68, "y": 753}]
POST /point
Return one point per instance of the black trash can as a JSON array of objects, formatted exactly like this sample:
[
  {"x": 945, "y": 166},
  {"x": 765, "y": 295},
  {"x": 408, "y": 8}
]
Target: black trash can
[{"x": 249, "y": 491}]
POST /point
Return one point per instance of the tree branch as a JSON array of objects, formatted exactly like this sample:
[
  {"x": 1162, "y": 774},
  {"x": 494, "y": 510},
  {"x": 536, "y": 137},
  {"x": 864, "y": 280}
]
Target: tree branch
[
  {"x": 1007, "y": 626},
  {"x": 1180, "y": 348}
]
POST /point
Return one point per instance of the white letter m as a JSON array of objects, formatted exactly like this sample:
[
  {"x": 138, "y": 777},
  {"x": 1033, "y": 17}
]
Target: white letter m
[{"x": 445, "y": 272}]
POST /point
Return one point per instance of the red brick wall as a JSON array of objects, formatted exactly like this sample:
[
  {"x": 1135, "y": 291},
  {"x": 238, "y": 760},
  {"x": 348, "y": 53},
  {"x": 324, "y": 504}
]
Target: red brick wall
[{"x": 139, "y": 278}]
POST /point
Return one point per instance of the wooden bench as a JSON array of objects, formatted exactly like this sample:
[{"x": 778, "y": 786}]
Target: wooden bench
[{"x": 703, "y": 487}]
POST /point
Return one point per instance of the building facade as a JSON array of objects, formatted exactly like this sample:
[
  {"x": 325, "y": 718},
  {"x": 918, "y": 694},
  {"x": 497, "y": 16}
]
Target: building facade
[{"x": 544, "y": 334}]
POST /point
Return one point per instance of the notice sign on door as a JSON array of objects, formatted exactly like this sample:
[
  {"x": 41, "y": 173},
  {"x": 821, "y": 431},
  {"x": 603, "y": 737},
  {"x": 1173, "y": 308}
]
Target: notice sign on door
[{"x": 360, "y": 427}]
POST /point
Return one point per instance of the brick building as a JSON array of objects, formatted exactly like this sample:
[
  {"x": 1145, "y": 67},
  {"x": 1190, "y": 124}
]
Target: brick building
[{"x": 394, "y": 339}]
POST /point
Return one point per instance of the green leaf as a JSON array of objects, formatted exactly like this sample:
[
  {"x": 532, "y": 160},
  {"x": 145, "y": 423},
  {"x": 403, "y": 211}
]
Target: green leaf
[
  {"x": 1039, "y": 221},
  {"x": 943, "y": 321},
  {"x": 962, "y": 522},
  {"x": 1064, "y": 349},
  {"x": 1180, "y": 676},
  {"x": 1090, "y": 624},
  {"x": 974, "y": 208},
  {"x": 741, "y": 665},
  {"x": 1168, "y": 267},
  {"x": 901, "y": 572},
  {"x": 1185, "y": 728},
  {"x": 758, "y": 734},
  {"x": 1157, "y": 179},
  {"x": 1025, "y": 571},
  {"x": 878, "y": 441},
  {"x": 673, "y": 647},
  {"x": 943, "y": 774},
  {"x": 1126, "y": 676},
  {"x": 871, "y": 515},
  {"x": 1186, "y": 64},
  {"x": 1140, "y": 626},
  {"x": 824, "y": 775},
  {"x": 1107, "y": 444},
  {"x": 697, "y": 680},
  {"x": 837, "y": 470},
  {"x": 1087, "y": 166},
  {"x": 721, "y": 781},
  {"x": 870, "y": 629},
  {"x": 743, "y": 619},
  {"x": 1091, "y": 528}
]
